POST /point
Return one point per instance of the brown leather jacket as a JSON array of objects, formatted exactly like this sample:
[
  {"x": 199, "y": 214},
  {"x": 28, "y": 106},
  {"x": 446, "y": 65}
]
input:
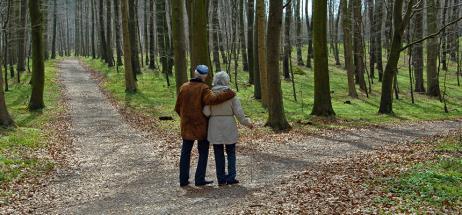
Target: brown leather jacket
[{"x": 193, "y": 96}]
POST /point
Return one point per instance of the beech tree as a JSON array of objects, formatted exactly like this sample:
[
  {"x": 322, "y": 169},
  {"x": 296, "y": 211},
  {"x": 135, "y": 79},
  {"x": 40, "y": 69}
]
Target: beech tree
[
  {"x": 322, "y": 99},
  {"x": 130, "y": 83},
  {"x": 277, "y": 118},
  {"x": 38, "y": 51},
  {"x": 179, "y": 42}
]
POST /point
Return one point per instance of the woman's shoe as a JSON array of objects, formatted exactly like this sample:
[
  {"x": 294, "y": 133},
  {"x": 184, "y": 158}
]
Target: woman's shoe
[
  {"x": 234, "y": 181},
  {"x": 203, "y": 183}
]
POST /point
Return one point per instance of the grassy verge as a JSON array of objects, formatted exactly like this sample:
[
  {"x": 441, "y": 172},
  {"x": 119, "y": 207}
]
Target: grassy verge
[
  {"x": 23, "y": 149},
  {"x": 155, "y": 98},
  {"x": 434, "y": 185}
]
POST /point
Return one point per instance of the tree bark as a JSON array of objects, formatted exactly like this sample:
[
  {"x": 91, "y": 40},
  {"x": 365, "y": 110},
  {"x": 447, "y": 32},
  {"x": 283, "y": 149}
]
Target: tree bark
[
  {"x": 109, "y": 54},
  {"x": 5, "y": 117},
  {"x": 152, "y": 44},
  {"x": 199, "y": 36},
  {"x": 298, "y": 29},
  {"x": 21, "y": 67},
  {"x": 277, "y": 119},
  {"x": 55, "y": 28},
  {"x": 250, "y": 40},
  {"x": 118, "y": 38},
  {"x": 215, "y": 31},
  {"x": 133, "y": 25},
  {"x": 322, "y": 98},
  {"x": 101, "y": 32},
  {"x": 38, "y": 65},
  {"x": 433, "y": 87},
  {"x": 358, "y": 45},
  {"x": 287, "y": 42},
  {"x": 130, "y": 83},
  {"x": 245, "y": 64},
  {"x": 262, "y": 50},
  {"x": 378, "y": 20},
  {"x": 417, "y": 50},
  {"x": 179, "y": 42},
  {"x": 348, "y": 47},
  {"x": 310, "y": 37}
]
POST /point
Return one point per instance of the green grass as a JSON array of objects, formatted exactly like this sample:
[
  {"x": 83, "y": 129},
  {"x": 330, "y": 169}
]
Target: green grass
[
  {"x": 19, "y": 146},
  {"x": 431, "y": 184},
  {"x": 157, "y": 99}
]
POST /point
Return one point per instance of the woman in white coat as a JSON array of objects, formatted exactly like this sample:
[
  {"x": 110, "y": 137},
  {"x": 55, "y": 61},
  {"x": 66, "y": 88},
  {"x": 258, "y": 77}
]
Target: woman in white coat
[{"x": 222, "y": 132}]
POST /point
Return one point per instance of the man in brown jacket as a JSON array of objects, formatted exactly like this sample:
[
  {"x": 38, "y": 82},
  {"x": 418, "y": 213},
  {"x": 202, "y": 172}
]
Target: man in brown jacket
[{"x": 192, "y": 98}]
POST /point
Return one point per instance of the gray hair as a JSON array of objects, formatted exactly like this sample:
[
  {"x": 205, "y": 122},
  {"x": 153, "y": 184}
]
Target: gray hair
[{"x": 221, "y": 79}]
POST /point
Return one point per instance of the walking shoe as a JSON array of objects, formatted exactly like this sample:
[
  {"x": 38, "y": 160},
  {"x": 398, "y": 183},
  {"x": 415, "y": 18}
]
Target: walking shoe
[
  {"x": 203, "y": 183},
  {"x": 234, "y": 181},
  {"x": 184, "y": 184}
]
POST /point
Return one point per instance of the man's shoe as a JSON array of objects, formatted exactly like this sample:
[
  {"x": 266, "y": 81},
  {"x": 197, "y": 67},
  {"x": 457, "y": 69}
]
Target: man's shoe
[
  {"x": 184, "y": 184},
  {"x": 203, "y": 183},
  {"x": 234, "y": 181}
]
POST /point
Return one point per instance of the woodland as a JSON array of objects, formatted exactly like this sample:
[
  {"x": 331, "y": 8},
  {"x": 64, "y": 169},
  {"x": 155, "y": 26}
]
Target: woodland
[{"x": 383, "y": 74}]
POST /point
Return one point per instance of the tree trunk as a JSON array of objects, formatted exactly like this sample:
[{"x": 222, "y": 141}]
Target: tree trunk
[
  {"x": 372, "y": 54},
  {"x": 130, "y": 84},
  {"x": 444, "y": 36},
  {"x": 399, "y": 24},
  {"x": 109, "y": 54},
  {"x": 133, "y": 25},
  {"x": 162, "y": 38},
  {"x": 5, "y": 118},
  {"x": 55, "y": 28},
  {"x": 298, "y": 29},
  {"x": 287, "y": 42},
  {"x": 38, "y": 66},
  {"x": 454, "y": 39},
  {"x": 101, "y": 32},
  {"x": 152, "y": 48},
  {"x": 378, "y": 37},
  {"x": 179, "y": 42},
  {"x": 215, "y": 30},
  {"x": 277, "y": 119},
  {"x": 245, "y": 64},
  {"x": 250, "y": 40},
  {"x": 322, "y": 98},
  {"x": 310, "y": 37},
  {"x": 348, "y": 47},
  {"x": 417, "y": 50},
  {"x": 93, "y": 37},
  {"x": 433, "y": 86},
  {"x": 358, "y": 45},
  {"x": 117, "y": 26},
  {"x": 22, "y": 37},
  {"x": 199, "y": 36},
  {"x": 261, "y": 50}
]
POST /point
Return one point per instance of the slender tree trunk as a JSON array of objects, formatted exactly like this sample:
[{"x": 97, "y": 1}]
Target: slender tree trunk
[
  {"x": 133, "y": 25},
  {"x": 250, "y": 40},
  {"x": 93, "y": 36},
  {"x": 417, "y": 50},
  {"x": 22, "y": 37},
  {"x": 358, "y": 45},
  {"x": 162, "y": 37},
  {"x": 146, "y": 30},
  {"x": 378, "y": 37},
  {"x": 277, "y": 119},
  {"x": 372, "y": 25},
  {"x": 287, "y": 43},
  {"x": 310, "y": 38},
  {"x": 399, "y": 24},
  {"x": 348, "y": 47},
  {"x": 215, "y": 34},
  {"x": 298, "y": 29},
  {"x": 199, "y": 36},
  {"x": 109, "y": 54},
  {"x": 245, "y": 64},
  {"x": 38, "y": 65},
  {"x": 130, "y": 83},
  {"x": 262, "y": 79},
  {"x": 179, "y": 42},
  {"x": 444, "y": 37},
  {"x": 322, "y": 98},
  {"x": 152, "y": 50},
  {"x": 433, "y": 86},
  {"x": 118, "y": 36},
  {"x": 101, "y": 32},
  {"x": 55, "y": 28},
  {"x": 454, "y": 39}
]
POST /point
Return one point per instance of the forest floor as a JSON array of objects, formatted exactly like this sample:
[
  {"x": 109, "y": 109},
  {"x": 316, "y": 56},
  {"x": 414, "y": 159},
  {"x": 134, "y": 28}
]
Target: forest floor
[{"x": 124, "y": 164}]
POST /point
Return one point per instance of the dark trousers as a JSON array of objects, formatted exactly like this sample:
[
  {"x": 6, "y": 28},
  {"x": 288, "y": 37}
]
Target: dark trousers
[
  {"x": 185, "y": 160},
  {"x": 218, "y": 150}
]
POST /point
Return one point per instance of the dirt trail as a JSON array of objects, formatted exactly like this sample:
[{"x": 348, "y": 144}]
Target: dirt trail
[{"x": 116, "y": 169}]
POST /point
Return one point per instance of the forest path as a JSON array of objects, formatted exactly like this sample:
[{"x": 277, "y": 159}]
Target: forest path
[{"x": 116, "y": 170}]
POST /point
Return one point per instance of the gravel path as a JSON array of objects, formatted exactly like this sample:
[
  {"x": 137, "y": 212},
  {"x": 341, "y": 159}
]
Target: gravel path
[{"x": 116, "y": 169}]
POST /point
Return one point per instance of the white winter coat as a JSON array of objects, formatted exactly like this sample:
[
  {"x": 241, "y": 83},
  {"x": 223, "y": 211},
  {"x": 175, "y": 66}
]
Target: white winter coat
[{"x": 222, "y": 123}]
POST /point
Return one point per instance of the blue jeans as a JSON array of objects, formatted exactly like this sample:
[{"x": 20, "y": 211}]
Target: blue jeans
[
  {"x": 220, "y": 162},
  {"x": 185, "y": 160}
]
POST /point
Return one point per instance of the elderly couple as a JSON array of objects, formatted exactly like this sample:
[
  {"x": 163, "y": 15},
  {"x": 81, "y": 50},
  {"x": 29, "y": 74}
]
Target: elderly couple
[{"x": 208, "y": 116}]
